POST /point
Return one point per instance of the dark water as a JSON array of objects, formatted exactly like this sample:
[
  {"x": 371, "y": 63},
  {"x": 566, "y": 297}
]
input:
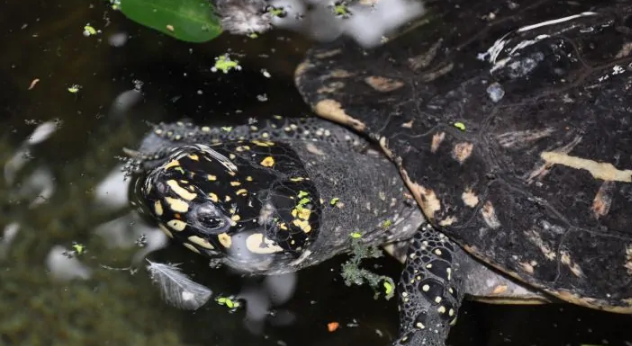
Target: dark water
[{"x": 53, "y": 194}]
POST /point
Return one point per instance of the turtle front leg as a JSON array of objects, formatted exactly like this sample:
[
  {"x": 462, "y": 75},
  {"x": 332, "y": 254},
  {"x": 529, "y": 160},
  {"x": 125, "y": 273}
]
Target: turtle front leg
[{"x": 430, "y": 289}]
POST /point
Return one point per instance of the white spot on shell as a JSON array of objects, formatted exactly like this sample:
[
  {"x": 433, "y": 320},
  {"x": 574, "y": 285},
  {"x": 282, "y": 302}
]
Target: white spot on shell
[{"x": 495, "y": 92}]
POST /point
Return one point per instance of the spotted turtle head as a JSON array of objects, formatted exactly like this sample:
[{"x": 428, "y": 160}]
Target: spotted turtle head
[{"x": 248, "y": 203}]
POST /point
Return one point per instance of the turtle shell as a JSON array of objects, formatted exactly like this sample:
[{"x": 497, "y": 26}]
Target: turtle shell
[{"x": 511, "y": 123}]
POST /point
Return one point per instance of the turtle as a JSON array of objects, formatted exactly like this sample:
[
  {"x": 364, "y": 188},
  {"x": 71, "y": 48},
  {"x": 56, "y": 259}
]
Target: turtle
[
  {"x": 512, "y": 132},
  {"x": 286, "y": 193},
  {"x": 274, "y": 197}
]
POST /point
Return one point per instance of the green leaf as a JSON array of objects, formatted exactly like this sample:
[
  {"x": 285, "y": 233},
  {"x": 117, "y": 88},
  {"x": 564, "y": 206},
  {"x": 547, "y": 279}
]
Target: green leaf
[{"x": 186, "y": 20}]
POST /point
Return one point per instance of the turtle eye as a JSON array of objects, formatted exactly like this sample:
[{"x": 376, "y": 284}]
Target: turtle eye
[{"x": 209, "y": 219}]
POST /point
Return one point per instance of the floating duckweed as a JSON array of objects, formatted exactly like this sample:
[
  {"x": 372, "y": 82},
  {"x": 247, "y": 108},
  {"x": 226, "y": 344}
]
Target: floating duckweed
[
  {"x": 78, "y": 248},
  {"x": 276, "y": 11},
  {"x": 341, "y": 10},
  {"x": 230, "y": 302},
  {"x": 88, "y": 30},
  {"x": 459, "y": 125},
  {"x": 74, "y": 88},
  {"x": 224, "y": 64},
  {"x": 388, "y": 287},
  {"x": 334, "y": 201}
]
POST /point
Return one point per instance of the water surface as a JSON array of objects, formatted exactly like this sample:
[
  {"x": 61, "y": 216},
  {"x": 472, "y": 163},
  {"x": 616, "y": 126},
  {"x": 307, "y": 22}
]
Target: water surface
[{"x": 66, "y": 188}]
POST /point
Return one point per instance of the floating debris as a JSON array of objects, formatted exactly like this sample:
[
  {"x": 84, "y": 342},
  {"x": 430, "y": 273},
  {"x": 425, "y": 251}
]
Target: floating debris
[
  {"x": 176, "y": 288},
  {"x": 33, "y": 83}
]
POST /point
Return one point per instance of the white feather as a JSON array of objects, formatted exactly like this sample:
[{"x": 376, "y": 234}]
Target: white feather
[{"x": 176, "y": 288}]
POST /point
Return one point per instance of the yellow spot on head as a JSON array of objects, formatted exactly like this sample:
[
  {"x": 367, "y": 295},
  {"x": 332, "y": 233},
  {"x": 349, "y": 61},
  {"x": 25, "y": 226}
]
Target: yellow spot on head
[
  {"x": 172, "y": 163},
  {"x": 235, "y": 183},
  {"x": 268, "y": 162},
  {"x": 194, "y": 157},
  {"x": 225, "y": 240},
  {"x": 201, "y": 242},
  {"x": 177, "y": 225},
  {"x": 301, "y": 213},
  {"x": 213, "y": 197},
  {"x": 241, "y": 192},
  {"x": 158, "y": 208},
  {"x": 177, "y": 205},
  {"x": 259, "y": 244},
  {"x": 248, "y": 178},
  {"x": 235, "y": 217},
  {"x": 180, "y": 191},
  {"x": 303, "y": 225},
  {"x": 212, "y": 177}
]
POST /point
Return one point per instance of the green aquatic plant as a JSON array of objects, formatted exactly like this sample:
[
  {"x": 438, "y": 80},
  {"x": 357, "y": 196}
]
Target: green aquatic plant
[{"x": 186, "y": 20}]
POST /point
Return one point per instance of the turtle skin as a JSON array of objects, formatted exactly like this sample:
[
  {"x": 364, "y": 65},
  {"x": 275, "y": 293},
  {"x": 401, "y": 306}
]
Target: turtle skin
[{"x": 511, "y": 125}]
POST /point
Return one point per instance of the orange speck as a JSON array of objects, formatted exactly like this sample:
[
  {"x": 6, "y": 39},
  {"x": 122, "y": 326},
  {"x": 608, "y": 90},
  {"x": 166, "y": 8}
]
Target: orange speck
[
  {"x": 33, "y": 83},
  {"x": 332, "y": 326}
]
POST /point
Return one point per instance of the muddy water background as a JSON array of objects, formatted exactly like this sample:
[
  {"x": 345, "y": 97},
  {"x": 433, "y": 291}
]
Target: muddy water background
[{"x": 58, "y": 197}]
